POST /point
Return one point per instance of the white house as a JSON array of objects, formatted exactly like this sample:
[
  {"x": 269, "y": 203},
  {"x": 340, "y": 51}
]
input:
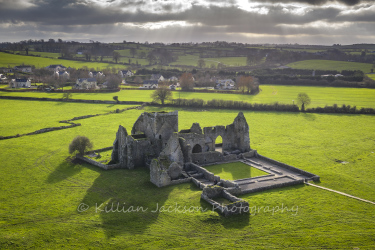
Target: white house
[
  {"x": 63, "y": 74},
  {"x": 23, "y": 68},
  {"x": 96, "y": 74},
  {"x": 225, "y": 84},
  {"x": 173, "y": 79},
  {"x": 20, "y": 83},
  {"x": 150, "y": 84},
  {"x": 56, "y": 67},
  {"x": 157, "y": 77},
  {"x": 6, "y": 70},
  {"x": 125, "y": 73},
  {"x": 86, "y": 83}
]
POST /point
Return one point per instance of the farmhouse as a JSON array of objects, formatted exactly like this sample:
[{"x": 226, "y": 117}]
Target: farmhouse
[
  {"x": 63, "y": 74},
  {"x": 96, "y": 74},
  {"x": 157, "y": 77},
  {"x": 56, "y": 67},
  {"x": 225, "y": 84},
  {"x": 150, "y": 84},
  {"x": 173, "y": 79},
  {"x": 23, "y": 68},
  {"x": 125, "y": 73},
  {"x": 6, "y": 70},
  {"x": 20, "y": 83},
  {"x": 86, "y": 83}
]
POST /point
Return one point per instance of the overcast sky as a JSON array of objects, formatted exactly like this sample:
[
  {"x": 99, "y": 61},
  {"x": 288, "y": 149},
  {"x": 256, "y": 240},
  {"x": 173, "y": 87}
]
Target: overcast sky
[{"x": 247, "y": 21}]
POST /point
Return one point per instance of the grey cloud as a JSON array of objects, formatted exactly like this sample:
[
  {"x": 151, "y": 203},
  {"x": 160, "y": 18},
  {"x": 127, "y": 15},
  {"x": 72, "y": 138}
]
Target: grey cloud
[
  {"x": 81, "y": 18},
  {"x": 320, "y": 2}
]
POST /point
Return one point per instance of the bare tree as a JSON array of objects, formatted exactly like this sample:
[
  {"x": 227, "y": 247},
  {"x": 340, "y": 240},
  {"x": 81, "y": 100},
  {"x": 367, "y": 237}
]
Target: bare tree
[
  {"x": 162, "y": 94},
  {"x": 246, "y": 83},
  {"x": 133, "y": 52},
  {"x": 187, "y": 81},
  {"x": 113, "y": 81},
  {"x": 116, "y": 56},
  {"x": 201, "y": 63}
]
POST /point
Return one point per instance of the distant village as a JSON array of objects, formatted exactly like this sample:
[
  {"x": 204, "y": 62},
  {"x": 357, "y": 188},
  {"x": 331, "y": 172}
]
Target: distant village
[{"x": 22, "y": 77}]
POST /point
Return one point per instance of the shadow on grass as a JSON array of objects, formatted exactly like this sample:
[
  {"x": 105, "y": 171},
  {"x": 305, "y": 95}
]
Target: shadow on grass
[
  {"x": 309, "y": 116},
  {"x": 237, "y": 221},
  {"x": 63, "y": 171},
  {"x": 125, "y": 200}
]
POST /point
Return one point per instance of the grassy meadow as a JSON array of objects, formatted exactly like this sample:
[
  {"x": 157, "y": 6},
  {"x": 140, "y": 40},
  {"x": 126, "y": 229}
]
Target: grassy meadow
[
  {"x": 331, "y": 65},
  {"x": 39, "y": 62},
  {"x": 48, "y": 202},
  {"x": 320, "y": 96}
]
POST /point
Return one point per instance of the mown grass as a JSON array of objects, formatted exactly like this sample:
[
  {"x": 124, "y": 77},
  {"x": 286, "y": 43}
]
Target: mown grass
[
  {"x": 331, "y": 65},
  {"x": 320, "y": 96},
  {"x": 41, "y": 191},
  {"x": 235, "y": 171},
  {"x": 39, "y": 62}
]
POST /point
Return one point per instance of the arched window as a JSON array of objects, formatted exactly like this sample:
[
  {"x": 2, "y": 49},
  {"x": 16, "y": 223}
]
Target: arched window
[
  {"x": 219, "y": 144},
  {"x": 197, "y": 149}
]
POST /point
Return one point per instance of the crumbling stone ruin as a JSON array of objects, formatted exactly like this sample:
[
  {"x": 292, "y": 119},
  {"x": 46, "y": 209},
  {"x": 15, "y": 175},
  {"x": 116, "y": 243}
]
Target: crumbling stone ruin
[
  {"x": 156, "y": 143},
  {"x": 175, "y": 157}
]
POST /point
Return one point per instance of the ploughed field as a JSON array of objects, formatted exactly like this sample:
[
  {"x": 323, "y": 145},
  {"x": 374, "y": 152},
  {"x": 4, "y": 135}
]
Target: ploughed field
[{"x": 49, "y": 202}]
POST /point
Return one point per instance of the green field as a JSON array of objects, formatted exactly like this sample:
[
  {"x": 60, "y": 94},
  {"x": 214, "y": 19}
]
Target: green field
[
  {"x": 39, "y": 62},
  {"x": 331, "y": 65},
  {"x": 42, "y": 192},
  {"x": 26, "y": 118},
  {"x": 234, "y": 171},
  {"x": 372, "y": 76},
  {"x": 320, "y": 96}
]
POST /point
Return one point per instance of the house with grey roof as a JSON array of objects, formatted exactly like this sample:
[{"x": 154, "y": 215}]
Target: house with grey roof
[
  {"x": 20, "y": 83},
  {"x": 23, "y": 68},
  {"x": 125, "y": 73},
  {"x": 157, "y": 77},
  {"x": 150, "y": 84},
  {"x": 56, "y": 67},
  {"x": 86, "y": 83},
  {"x": 63, "y": 74}
]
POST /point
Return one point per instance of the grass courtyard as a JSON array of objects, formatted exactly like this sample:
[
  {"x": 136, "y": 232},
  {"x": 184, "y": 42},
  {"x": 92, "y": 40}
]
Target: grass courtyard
[
  {"x": 48, "y": 202},
  {"x": 234, "y": 171}
]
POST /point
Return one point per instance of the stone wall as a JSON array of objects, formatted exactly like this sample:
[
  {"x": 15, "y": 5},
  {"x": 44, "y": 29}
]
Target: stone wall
[
  {"x": 71, "y": 100},
  {"x": 98, "y": 164},
  {"x": 193, "y": 139},
  {"x": 158, "y": 127},
  {"x": 237, "y": 205},
  {"x": 207, "y": 174},
  {"x": 294, "y": 169},
  {"x": 212, "y": 157},
  {"x": 296, "y": 182}
]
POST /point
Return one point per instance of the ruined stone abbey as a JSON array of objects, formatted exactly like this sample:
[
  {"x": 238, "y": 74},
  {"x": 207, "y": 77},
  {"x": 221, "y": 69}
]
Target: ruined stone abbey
[
  {"x": 156, "y": 143},
  {"x": 174, "y": 157}
]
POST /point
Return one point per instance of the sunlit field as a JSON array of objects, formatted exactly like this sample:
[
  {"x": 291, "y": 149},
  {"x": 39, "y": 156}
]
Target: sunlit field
[{"x": 49, "y": 202}]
